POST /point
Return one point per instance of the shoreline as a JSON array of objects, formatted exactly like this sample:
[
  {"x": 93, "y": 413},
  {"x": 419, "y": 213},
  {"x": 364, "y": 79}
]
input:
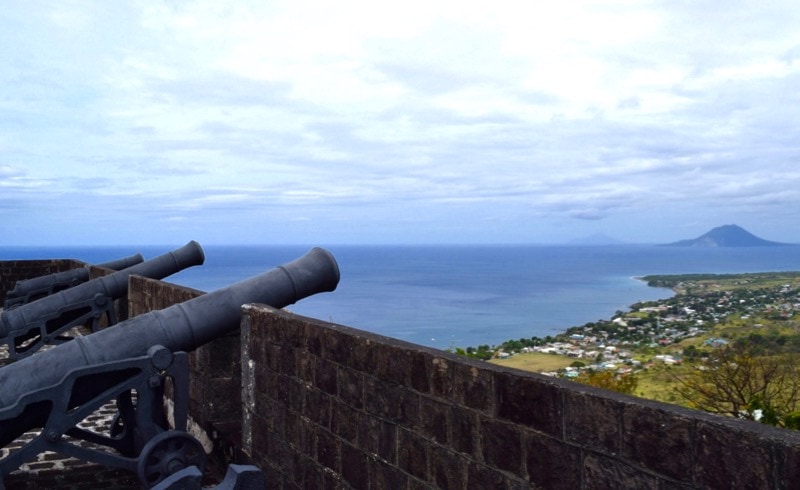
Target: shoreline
[{"x": 673, "y": 279}]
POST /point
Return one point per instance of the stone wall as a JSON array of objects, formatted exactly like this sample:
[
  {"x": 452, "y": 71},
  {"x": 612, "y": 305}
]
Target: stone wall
[
  {"x": 12, "y": 271},
  {"x": 328, "y": 406}
]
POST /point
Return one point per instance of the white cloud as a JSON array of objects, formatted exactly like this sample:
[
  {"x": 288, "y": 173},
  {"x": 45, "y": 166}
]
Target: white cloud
[{"x": 443, "y": 114}]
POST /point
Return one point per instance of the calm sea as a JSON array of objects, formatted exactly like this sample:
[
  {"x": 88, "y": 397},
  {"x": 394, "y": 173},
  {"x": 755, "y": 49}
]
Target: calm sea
[{"x": 444, "y": 296}]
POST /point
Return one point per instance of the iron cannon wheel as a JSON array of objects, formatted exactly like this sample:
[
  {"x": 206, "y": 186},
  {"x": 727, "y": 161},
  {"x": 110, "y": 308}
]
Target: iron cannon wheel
[{"x": 168, "y": 453}]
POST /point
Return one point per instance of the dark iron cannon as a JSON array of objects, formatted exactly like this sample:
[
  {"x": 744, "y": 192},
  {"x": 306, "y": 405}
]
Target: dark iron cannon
[
  {"x": 29, "y": 327},
  {"x": 29, "y": 290},
  {"x": 54, "y": 390}
]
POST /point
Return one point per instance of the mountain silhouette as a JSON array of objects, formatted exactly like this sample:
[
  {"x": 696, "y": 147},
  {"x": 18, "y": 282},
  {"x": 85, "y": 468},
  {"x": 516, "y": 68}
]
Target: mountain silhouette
[{"x": 727, "y": 236}]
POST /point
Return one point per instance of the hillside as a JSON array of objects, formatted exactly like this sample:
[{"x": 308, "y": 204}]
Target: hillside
[{"x": 726, "y": 236}]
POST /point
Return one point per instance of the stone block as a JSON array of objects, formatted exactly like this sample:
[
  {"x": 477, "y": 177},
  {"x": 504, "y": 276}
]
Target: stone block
[
  {"x": 530, "y": 400},
  {"x": 788, "y": 461},
  {"x": 287, "y": 363},
  {"x": 464, "y": 428},
  {"x": 326, "y": 376},
  {"x": 260, "y": 443},
  {"x": 223, "y": 356},
  {"x": 419, "y": 367},
  {"x": 305, "y": 366},
  {"x": 338, "y": 346},
  {"x": 395, "y": 403},
  {"x": 354, "y": 464},
  {"x": 502, "y": 445},
  {"x": 386, "y": 441},
  {"x": 658, "y": 440},
  {"x": 389, "y": 363},
  {"x": 552, "y": 463},
  {"x": 448, "y": 469},
  {"x": 473, "y": 386},
  {"x": 368, "y": 433},
  {"x": 223, "y": 399},
  {"x": 602, "y": 472},
  {"x": 328, "y": 450},
  {"x": 435, "y": 419},
  {"x": 441, "y": 377},
  {"x": 384, "y": 475},
  {"x": 344, "y": 421},
  {"x": 482, "y": 476},
  {"x": 592, "y": 420},
  {"x": 351, "y": 387},
  {"x": 317, "y": 408},
  {"x": 269, "y": 353},
  {"x": 412, "y": 454},
  {"x": 729, "y": 456},
  {"x": 265, "y": 381}
]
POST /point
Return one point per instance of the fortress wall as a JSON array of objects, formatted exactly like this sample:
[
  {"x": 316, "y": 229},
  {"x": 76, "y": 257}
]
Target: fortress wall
[{"x": 328, "y": 406}]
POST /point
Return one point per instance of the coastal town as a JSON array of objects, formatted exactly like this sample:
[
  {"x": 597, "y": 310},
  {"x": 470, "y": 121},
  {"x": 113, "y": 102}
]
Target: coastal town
[{"x": 706, "y": 312}]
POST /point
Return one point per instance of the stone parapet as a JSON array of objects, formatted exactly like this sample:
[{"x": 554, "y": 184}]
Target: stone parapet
[{"x": 328, "y": 406}]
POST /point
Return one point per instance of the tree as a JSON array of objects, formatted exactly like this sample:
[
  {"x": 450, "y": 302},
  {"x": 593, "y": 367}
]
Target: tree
[
  {"x": 625, "y": 383},
  {"x": 738, "y": 382}
]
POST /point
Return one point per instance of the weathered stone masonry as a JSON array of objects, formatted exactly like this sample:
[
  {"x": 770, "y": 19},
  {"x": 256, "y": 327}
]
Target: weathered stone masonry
[{"x": 327, "y": 406}]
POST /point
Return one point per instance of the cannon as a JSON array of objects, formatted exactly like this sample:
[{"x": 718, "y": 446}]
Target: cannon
[
  {"x": 28, "y": 328},
  {"x": 54, "y": 390},
  {"x": 29, "y": 290}
]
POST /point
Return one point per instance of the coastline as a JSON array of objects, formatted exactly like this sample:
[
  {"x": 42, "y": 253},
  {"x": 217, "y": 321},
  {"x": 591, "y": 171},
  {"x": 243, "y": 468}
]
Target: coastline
[{"x": 712, "y": 289}]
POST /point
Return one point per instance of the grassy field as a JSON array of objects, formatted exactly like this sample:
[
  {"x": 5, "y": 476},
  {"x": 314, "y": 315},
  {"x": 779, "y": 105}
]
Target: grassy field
[
  {"x": 658, "y": 383},
  {"x": 535, "y": 362}
]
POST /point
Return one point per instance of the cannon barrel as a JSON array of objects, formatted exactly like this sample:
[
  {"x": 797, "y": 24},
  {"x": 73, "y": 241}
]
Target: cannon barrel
[
  {"x": 122, "y": 263},
  {"x": 181, "y": 327},
  {"x": 28, "y": 290},
  {"x": 59, "y": 308}
]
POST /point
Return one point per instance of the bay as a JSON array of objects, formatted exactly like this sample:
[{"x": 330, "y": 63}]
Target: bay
[{"x": 458, "y": 296}]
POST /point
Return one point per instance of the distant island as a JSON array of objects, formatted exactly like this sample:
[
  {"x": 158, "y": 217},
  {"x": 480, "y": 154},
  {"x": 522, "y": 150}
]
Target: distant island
[{"x": 727, "y": 236}]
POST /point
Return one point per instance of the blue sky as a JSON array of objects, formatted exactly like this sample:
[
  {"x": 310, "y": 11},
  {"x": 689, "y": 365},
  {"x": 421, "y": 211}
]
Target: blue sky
[{"x": 158, "y": 122}]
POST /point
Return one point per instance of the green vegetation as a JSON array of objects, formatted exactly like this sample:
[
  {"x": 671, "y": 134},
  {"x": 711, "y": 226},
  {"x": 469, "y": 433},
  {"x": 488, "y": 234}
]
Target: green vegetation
[
  {"x": 728, "y": 344},
  {"x": 535, "y": 362},
  {"x": 483, "y": 352},
  {"x": 625, "y": 383},
  {"x": 683, "y": 283},
  {"x": 747, "y": 380}
]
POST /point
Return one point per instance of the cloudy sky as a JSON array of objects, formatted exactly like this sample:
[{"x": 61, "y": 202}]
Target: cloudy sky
[{"x": 157, "y": 122}]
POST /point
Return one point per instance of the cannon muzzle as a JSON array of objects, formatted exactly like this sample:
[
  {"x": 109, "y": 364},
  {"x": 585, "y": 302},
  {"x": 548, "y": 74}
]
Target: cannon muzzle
[
  {"x": 181, "y": 327},
  {"x": 31, "y": 326},
  {"x": 29, "y": 290}
]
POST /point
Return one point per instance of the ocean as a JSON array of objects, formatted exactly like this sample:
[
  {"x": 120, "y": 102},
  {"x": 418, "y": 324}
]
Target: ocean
[{"x": 459, "y": 296}]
